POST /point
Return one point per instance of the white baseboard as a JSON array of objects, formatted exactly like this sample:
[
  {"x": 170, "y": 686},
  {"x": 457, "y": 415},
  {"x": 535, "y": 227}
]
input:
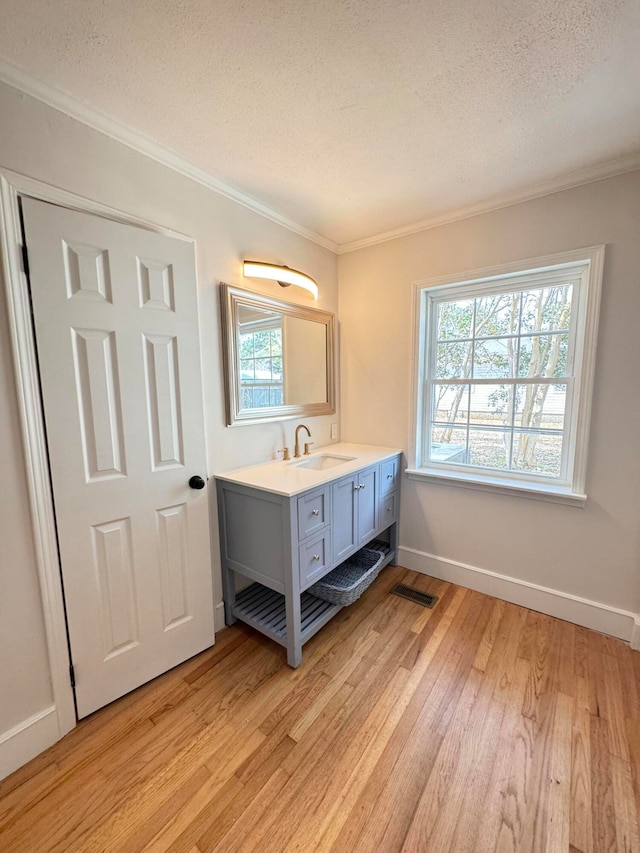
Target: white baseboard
[
  {"x": 572, "y": 608},
  {"x": 218, "y": 617},
  {"x": 28, "y": 739}
]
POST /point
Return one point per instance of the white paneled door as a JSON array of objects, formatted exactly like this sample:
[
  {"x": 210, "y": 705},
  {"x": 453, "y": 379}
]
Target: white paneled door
[{"x": 115, "y": 312}]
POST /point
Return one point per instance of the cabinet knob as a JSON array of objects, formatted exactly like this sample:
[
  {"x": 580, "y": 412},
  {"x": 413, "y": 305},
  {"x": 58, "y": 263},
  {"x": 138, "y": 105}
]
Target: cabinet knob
[
  {"x": 388, "y": 509},
  {"x": 389, "y": 476},
  {"x": 316, "y": 556},
  {"x": 362, "y": 485},
  {"x": 315, "y": 512}
]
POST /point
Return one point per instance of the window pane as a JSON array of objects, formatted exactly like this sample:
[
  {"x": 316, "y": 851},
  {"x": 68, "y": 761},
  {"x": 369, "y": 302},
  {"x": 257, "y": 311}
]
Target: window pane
[
  {"x": 448, "y": 445},
  {"x": 247, "y": 370},
  {"x": 540, "y": 406},
  {"x": 543, "y": 355},
  {"x": 276, "y": 342},
  {"x": 538, "y": 454},
  {"x": 455, "y": 319},
  {"x": 546, "y": 308},
  {"x": 262, "y": 343},
  {"x": 489, "y": 449},
  {"x": 453, "y": 361},
  {"x": 276, "y": 395},
  {"x": 450, "y": 403},
  {"x": 263, "y": 370},
  {"x": 495, "y": 359},
  {"x": 246, "y": 346},
  {"x": 498, "y": 314},
  {"x": 247, "y": 398},
  {"x": 491, "y": 405}
]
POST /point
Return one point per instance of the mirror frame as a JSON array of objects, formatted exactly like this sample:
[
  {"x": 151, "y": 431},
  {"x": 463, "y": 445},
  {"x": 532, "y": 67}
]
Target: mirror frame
[{"x": 231, "y": 299}]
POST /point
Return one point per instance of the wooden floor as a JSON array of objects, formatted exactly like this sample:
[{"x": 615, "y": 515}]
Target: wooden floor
[{"x": 476, "y": 726}]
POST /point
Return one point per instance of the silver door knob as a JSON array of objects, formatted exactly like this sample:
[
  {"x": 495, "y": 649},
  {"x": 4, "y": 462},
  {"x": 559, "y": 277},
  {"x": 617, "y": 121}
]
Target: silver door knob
[
  {"x": 316, "y": 556},
  {"x": 315, "y": 512}
]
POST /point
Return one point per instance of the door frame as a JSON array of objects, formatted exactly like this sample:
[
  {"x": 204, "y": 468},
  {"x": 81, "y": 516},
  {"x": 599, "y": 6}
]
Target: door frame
[{"x": 13, "y": 185}]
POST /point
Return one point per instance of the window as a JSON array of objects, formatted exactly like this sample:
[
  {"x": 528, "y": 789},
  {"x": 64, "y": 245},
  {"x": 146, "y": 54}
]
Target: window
[
  {"x": 504, "y": 375},
  {"x": 261, "y": 375}
]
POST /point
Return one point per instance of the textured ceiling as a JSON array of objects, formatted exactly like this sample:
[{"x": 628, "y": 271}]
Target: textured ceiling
[{"x": 352, "y": 117}]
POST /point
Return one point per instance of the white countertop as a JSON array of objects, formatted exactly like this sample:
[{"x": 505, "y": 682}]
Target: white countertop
[{"x": 287, "y": 478}]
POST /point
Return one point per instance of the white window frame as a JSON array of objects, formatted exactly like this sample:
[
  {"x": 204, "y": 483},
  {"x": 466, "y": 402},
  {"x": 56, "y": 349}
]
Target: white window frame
[
  {"x": 268, "y": 325},
  {"x": 570, "y": 486}
]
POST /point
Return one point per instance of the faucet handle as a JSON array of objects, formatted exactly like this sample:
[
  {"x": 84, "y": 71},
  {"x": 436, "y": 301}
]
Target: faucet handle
[
  {"x": 307, "y": 445},
  {"x": 285, "y": 454}
]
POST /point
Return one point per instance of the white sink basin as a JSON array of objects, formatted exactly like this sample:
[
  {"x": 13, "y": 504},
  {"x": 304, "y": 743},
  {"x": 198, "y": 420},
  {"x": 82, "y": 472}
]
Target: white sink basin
[{"x": 323, "y": 461}]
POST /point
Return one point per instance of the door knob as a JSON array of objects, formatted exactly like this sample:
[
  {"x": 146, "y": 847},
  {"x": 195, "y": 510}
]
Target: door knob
[{"x": 197, "y": 482}]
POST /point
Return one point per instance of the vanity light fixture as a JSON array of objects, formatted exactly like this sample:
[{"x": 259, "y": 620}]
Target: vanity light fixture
[{"x": 283, "y": 275}]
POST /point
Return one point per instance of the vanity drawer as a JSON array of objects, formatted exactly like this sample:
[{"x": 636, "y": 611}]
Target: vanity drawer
[
  {"x": 388, "y": 510},
  {"x": 315, "y": 559},
  {"x": 389, "y": 476},
  {"x": 313, "y": 512}
]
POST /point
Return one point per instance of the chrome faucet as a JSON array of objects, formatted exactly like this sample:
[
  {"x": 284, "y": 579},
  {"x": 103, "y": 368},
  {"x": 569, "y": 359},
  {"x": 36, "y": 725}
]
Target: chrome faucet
[{"x": 296, "y": 452}]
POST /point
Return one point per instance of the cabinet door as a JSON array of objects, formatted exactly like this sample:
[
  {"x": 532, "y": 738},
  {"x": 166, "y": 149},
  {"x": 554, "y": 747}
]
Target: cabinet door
[
  {"x": 389, "y": 476},
  {"x": 313, "y": 512},
  {"x": 315, "y": 559},
  {"x": 367, "y": 505},
  {"x": 344, "y": 518},
  {"x": 388, "y": 510}
]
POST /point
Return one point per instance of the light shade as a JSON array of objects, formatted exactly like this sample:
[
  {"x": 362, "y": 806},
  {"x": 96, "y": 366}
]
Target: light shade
[{"x": 283, "y": 275}]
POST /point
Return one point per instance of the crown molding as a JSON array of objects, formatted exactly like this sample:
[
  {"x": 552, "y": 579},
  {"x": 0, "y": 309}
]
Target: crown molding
[
  {"x": 93, "y": 118},
  {"x": 588, "y": 175}
]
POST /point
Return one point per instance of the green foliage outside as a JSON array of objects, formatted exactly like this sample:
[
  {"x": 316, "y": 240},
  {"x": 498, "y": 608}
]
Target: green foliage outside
[{"x": 504, "y": 336}]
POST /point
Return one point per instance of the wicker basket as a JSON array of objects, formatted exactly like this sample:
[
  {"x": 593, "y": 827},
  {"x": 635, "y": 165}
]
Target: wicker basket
[{"x": 347, "y": 583}]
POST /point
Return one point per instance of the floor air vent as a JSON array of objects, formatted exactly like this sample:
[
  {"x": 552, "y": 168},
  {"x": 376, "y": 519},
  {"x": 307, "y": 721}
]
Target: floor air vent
[{"x": 412, "y": 594}]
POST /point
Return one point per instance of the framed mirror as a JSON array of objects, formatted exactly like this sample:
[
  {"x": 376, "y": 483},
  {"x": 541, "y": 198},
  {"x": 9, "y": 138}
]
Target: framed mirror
[{"x": 279, "y": 358}]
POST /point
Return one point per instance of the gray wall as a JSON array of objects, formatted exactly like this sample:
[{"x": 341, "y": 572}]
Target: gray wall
[
  {"x": 39, "y": 142},
  {"x": 591, "y": 552}
]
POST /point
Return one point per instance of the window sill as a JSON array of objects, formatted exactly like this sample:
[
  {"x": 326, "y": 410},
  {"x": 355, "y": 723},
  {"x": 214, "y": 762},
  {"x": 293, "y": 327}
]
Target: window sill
[{"x": 540, "y": 492}]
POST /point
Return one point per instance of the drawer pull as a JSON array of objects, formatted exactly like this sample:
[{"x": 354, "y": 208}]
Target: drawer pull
[
  {"x": 316, "y": 556},
  {"x": 315, "y": 512}
]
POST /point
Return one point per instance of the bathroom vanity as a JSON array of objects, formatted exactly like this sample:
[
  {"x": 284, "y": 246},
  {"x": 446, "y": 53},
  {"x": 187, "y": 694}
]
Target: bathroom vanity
[{"x": 284, "y": 525}]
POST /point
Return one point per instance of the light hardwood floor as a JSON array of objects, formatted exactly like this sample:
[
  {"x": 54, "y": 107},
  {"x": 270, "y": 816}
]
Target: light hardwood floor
[{"x": 476, "y": 726}]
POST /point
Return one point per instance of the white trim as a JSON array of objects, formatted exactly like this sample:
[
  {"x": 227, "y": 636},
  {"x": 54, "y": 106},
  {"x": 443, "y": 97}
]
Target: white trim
[
  {"x": 635, "y": 634},
  {"x": 24, "y": 185},
  {"x": 529, "y": 490},
  {"x": 90, "y": 116},
  {"x": 588, "y": 175},
  {"x": 218, "y": 617},
  {"x": 540, "y": 263},
  {"x": 35, "y": 453},
  {"x": 553, "y": 602},
  {"x": 93, "y": 118},
  {"x": 28, "y": 739},
  {"x": 571, "y": 486},
  {"x": 13, "y": 185}
]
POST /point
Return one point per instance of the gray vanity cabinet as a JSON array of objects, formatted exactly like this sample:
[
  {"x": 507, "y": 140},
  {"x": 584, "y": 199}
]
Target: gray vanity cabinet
[
  {"x": 284, "y": 543},
  {"x": 355, "y": 512}
]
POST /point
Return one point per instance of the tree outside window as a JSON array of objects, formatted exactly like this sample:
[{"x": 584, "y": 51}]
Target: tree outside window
[
  {"x": 503, "y": 374},
  {"x": 261, "y": 378}
]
